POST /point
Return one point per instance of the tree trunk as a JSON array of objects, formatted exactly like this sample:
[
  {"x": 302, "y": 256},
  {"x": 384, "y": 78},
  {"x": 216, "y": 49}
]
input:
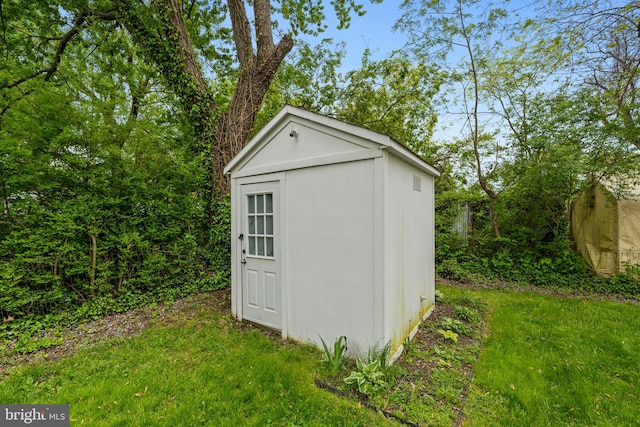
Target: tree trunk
[
  {"x": 234, "y": 126},
  {"x": 475, "y": 128},
  {"x": 223, "y": 132},
  {"x": 94, "y": 263},
  {"x": 256, "y": 72}
]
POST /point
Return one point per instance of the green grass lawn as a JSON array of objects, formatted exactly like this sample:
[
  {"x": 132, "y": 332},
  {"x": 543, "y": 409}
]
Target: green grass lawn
[
  {"x": 199, "y": 371},
  {"x": 551, "y": 361},
  {"x": 545, "y": 361}
]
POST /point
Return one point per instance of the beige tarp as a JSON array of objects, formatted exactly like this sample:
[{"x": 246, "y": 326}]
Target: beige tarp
[{"x": 606, "y": 230}]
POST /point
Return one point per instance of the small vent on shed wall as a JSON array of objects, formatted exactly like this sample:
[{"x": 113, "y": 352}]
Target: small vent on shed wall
[{"x": 417, "y": 183}]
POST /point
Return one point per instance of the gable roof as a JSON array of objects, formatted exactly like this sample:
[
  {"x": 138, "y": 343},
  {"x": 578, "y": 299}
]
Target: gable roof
[{"x": 383, "y": 141}]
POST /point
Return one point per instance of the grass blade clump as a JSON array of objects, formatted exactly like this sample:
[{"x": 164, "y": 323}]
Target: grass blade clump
[{"x": 335, "y": 360}]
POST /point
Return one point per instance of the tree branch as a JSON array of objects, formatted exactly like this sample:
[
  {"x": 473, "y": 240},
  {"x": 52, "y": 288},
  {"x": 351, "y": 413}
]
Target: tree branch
[
  {"x": 241, "y": 31},
  {"x": 71, "y": 34},
  {"x": 188, "y": 14},
  {"x": 63, "y": 42},
  {"x": 178, "y": 28},
  {"x": 264, "y": 32},
  {"x": 4, "y": 31},
  {"x": 109, "y": 15}
]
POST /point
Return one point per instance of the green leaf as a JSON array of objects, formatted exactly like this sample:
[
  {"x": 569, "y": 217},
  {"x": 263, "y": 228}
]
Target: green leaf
[{"x": 448, "y": 335}]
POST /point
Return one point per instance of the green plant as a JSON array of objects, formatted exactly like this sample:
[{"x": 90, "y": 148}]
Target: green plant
[
  {"x": 440, "y": 297},
  {"x": 406, "y": 344},
  {"x": 451, "y": 269},
  {"x": 466, "y": 313},
  {"x": 368, "y": 378},
  {"x": 450, "y": 355},
  {"x": 380, "y": 354},
  {"x": 28, "y": 344},
  {"x": 335, "y": 360},
  {"x": 627, "y": 282},
  {"x": 455, "y": 325},
  {"x": 448, "y": 335}
]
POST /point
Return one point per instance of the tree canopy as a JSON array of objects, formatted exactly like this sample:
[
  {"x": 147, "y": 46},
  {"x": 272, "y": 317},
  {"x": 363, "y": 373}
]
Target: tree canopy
[{"x": 117, "y": 118}]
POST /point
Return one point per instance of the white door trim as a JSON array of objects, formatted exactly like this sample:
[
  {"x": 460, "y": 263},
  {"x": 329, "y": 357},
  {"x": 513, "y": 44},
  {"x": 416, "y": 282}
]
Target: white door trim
[
  {"x": 277, "y": 182},
  {"x": 260, "y": 253},
  {"x": 236, "y": 222}
]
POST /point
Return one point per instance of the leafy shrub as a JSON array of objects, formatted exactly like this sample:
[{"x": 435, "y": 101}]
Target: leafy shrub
[
  {"x": 368, "y": 378},
  {"x": 502, "y": 262},
  {"x": 551, "y": 265},
  {"x": 218, "y": 249},
  {"x": 374, "y": 372},
  {"x": 381, "y": 354},
  {"x": 627, "y": 282},
  {"x": 451, "y": 269},
  {"x": 448, "y": 335},
  {"x": 466, "y": 313},
  {"x": 455, "y": 325}
]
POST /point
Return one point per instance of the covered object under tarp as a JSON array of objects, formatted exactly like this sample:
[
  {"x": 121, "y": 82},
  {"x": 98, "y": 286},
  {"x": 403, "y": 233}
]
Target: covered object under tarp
[{"x": 605, "y": 229}]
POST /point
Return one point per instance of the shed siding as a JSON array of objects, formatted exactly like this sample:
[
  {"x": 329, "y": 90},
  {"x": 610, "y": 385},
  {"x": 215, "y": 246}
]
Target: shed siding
[
  {"x": 355, "y": 257},
  {"x": 331, "y": 225},
  {"x": 409, "y": 244},
  {"x": 311, "y": 143}
]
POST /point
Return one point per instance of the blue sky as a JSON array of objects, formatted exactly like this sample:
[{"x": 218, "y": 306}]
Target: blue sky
[{"x": 373, "y": 31}]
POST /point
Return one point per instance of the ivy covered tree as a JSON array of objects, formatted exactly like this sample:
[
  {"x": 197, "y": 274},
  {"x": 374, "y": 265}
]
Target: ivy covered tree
[
  {"x": 116, "y": 118},
  {"x": 180, "y": 39}
]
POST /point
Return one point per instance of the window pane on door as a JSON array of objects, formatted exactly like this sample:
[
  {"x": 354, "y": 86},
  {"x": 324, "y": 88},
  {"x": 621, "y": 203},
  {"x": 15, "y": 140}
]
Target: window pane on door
[
  {"x": 260, "y": 203},
  {"x": 268, "y": 202},
  {"x": 269, "y": 246},
  {"x": 252, "y": 245},
  {"x": 260, "y": 246},
  {"x": 260, "y": 225}
]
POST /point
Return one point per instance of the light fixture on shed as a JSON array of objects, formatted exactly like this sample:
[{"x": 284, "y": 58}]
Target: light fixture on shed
[{"x": 294, "y": 133}]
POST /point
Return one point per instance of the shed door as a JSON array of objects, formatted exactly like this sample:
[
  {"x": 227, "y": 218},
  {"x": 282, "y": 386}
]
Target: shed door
[{"x": 260, "y": 248}]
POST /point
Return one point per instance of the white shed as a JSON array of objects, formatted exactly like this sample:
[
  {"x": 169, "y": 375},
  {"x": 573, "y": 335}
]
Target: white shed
[{"x": 332, "y": 233}]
